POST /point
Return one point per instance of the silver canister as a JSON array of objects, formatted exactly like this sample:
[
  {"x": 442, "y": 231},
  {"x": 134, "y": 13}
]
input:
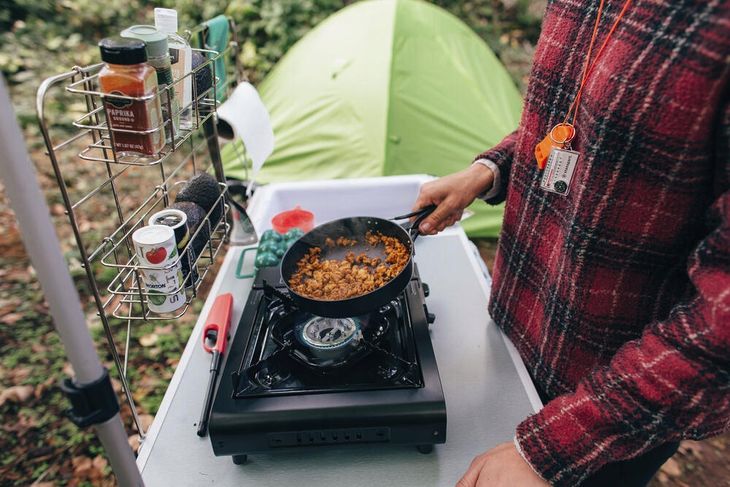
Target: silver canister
[{"x": 178, "y": 221}]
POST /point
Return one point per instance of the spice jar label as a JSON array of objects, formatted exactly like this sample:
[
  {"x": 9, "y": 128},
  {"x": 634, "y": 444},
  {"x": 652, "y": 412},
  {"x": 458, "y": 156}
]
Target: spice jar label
[{"x": 139, "y": 115}]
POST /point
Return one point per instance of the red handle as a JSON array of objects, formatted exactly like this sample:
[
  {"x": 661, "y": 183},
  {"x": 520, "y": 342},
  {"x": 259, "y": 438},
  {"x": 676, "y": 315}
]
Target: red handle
[{"x": 215, "y": 332}]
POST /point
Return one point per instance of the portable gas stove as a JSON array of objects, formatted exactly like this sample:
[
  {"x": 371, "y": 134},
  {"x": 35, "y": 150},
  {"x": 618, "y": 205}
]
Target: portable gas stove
[{"x": 293, "y": 379}]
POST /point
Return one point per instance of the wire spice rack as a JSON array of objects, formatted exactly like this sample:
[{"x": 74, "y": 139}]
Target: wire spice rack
[{"x": 92, "y": 180}]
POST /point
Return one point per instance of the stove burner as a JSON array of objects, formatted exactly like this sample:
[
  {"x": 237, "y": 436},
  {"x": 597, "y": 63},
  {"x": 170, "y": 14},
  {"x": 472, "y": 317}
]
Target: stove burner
[
  {"x": 328, "y": 343},
  {"x": 328, "y": 333},
  {"x": 294, "y": 352}
]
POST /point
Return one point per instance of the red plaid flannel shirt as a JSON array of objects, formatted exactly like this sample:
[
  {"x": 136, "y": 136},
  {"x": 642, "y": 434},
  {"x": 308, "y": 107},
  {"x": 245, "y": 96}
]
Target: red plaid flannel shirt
[{"x": 618, "y": 295}]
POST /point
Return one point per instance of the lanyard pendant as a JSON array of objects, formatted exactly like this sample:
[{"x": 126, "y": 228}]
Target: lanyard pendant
[
  {"x": 558, "y": 138},
  {"x": 559, "y": 171}
]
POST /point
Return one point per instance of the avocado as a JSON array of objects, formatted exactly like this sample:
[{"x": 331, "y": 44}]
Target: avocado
[
  {"x": 203, "y": 190},
  {"x": 195, "y": 215}
]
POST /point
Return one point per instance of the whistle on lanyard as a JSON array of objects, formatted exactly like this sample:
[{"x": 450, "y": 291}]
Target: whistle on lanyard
[
  {"x": 558, "y": 138},
  {"x": 215, "y": 339}
]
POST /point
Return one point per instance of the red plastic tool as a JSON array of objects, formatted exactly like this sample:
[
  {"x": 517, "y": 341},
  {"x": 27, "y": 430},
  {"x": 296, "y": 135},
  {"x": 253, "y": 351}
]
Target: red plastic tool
[
  {"x": 215, "y": 333},
  {"x": 215, "y": 339}
]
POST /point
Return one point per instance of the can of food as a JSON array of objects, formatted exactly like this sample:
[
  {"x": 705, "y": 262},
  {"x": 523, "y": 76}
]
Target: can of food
[
  {"x": 156, "y": 249},
  {"x": 178, "y": 221}
]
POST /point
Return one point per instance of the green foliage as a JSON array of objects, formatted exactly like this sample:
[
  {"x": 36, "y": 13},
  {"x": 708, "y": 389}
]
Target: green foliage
[
  {"x": 268, "y": 28},
  {"x": 40, "y": 39}
]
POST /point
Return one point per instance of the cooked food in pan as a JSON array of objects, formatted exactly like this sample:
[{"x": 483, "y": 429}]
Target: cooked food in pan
[{"x": 355, "y": 275}]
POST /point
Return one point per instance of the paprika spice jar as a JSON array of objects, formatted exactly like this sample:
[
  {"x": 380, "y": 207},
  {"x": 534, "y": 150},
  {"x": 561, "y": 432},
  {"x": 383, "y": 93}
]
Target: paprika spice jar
[
  {"x": 135, "y": 124},
  {"x": 159, "y": 58}
]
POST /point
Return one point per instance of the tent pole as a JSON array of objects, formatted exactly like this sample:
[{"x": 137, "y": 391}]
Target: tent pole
[{"x": 41, "y": 242}]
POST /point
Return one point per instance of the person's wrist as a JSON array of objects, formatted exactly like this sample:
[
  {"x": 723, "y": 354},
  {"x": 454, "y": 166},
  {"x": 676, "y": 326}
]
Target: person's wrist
[{"x": 482, "y": 178}]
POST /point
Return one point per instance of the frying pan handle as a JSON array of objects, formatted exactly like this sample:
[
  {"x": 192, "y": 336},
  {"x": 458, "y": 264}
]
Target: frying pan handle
[
  {"x": 425, "y": 211},
  {"x": 420, "y": 215}
]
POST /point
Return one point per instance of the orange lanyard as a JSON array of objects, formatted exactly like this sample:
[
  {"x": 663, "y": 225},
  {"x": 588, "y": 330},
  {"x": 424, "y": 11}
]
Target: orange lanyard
[
  {"x": 587, "y": 70},
  {"x": 561, "y": 135}
]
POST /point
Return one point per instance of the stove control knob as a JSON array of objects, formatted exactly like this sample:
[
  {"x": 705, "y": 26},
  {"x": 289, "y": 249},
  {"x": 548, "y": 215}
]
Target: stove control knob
[
  {"x": 430, "y": 317},
  {"x": 426, "y": 289}
]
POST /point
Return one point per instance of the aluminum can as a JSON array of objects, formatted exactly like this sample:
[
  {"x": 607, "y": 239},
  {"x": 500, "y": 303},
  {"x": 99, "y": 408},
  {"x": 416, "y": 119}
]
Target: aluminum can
[{"x": 156, "y": 250}]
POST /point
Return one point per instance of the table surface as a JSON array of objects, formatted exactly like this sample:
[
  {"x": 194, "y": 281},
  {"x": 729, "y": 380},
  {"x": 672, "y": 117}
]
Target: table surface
[{"x": 487, "y": 390}]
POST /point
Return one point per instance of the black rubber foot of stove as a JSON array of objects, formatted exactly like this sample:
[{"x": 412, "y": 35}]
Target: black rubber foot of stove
[
  {"x": 425, "y": 449},
  {"x": 239, "y": 459}
]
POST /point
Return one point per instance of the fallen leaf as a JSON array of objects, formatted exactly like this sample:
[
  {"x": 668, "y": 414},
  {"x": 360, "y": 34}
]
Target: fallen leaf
[
  {"x": 68, "y": 369},
  {"x": 99, "y": 463},
  {"x": 671, "y": 467},
  {"x": 81, "y": 465},
  {"x": 133, "y": 441},
  {"x": 19, "y": 374},
  {"x": 18, "y": 275},
  {"x": 17, "y": 394},
  {"x": 86, "y": 468},
  {"x": 148, "y": 340},
  {"x": 58, "y": 209},
  {"x": 145, "y": 420},
  {"x": 12, "y": 318},
  {"x": 164, "y": 330},
  {"x": 117, "y": 385},
  {"x": 11, "y": 244},
  {"x": 44, "y": 386}
]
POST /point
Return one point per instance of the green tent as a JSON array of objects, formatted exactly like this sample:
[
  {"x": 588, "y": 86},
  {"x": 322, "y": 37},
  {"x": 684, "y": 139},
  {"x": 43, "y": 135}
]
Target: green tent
[{"x": 386, "y": 87}]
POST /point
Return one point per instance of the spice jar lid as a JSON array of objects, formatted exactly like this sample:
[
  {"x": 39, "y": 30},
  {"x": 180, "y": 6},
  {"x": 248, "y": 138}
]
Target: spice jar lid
[
  {"x": 154, "y": 39},
  {"x": 117, "y": 50}
]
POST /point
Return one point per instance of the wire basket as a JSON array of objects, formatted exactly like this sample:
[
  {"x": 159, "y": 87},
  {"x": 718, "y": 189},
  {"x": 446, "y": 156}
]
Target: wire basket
[{"x": 102, "y": 216}]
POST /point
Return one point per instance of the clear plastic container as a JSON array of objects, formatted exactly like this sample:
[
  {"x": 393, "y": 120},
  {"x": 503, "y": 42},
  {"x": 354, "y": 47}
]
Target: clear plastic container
[{"x": 181, "y": 62}]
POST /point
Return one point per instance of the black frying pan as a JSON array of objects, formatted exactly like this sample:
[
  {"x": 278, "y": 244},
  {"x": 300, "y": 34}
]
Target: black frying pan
[{"x": 353, "y": 228}]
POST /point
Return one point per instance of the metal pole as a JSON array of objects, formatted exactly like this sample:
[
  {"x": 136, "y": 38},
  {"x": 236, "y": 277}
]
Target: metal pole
[{"x": 39, "y": 236}]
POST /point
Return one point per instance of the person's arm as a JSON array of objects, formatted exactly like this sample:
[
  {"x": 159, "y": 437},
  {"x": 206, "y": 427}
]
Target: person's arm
[
  {"x": 500, "y": 156},
  {"x": 671, "y": 383},
  {"x": 453, "y": 193}
]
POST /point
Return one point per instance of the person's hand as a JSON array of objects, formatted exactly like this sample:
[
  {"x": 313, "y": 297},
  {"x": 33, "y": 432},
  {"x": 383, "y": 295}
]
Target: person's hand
[
  {"x": 452, "y": 194},
  {"x": 502, "y": 466}
]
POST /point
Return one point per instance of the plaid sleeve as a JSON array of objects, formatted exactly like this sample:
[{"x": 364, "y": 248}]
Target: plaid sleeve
[
  {"x": 671, "y": 383},
  {"x": 501, "y": 155}
]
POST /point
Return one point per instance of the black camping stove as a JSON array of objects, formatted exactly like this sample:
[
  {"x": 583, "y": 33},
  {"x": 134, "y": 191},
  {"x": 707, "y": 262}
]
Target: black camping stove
[{"x": 292, "y": 379}]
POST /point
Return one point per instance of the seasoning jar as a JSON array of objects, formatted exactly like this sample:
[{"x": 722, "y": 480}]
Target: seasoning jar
[
  {"x": 132, "y": 107},
  {"x": 158, "y": 57}
]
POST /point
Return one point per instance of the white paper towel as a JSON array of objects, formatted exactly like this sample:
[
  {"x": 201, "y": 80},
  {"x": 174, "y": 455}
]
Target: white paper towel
[{"x": 245, "y": 112}]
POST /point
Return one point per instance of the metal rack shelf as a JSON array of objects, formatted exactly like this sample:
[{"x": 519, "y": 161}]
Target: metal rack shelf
[{"x": 102, "y": 217}]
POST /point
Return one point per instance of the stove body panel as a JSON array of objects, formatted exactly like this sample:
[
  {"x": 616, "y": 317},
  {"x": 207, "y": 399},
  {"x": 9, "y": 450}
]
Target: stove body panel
[{"x": 401, "y": 415}]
